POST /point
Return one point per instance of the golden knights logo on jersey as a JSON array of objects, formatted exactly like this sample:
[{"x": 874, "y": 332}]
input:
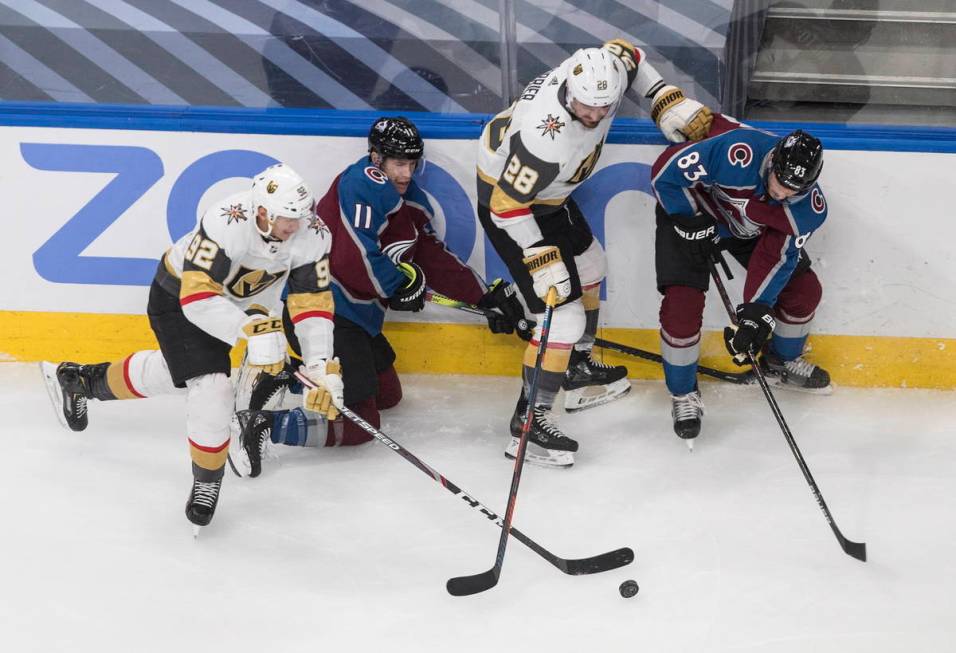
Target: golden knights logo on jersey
[
  {"x": 316, "y": 224},
  {"x": 550, "y": 126},
  {"x": 234, "y": 213},
  {"x": 248, "y": 282}
]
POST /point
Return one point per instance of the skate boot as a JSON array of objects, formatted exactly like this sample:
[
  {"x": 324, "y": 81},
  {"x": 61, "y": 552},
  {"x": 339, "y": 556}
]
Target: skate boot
[
  {"x": 588, "y": 383},
  {"x": 251, "y": 432},
  {"x": 269, "y": 390},
  {"x": 201, "y": 505},
  {"x": 547, "y": 445},
  {"x": 70, "y": 386},
  {"x": 798, "y": 374},
  {"x": 687, "y": 411},
  {"x": 258, "y": 390}
]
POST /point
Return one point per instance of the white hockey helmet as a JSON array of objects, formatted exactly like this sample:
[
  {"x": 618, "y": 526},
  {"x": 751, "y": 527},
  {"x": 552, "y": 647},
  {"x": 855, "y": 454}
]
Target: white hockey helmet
[
  {"x": 283, "y": 193},
  {"x": 595, "y": 77}
]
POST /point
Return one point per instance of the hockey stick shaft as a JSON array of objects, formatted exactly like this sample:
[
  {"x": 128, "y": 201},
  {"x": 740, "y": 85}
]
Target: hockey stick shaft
[
  {"x": 730, "y": 377},
  {"x": 854, "y": 549},
  {"x": 465, "y": 585},
  {"x": 573, "y": 566},
  {"x": 523, "y": 326}
]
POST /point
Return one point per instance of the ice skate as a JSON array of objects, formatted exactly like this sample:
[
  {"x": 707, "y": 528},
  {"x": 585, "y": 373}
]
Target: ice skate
[
  {"x": 687, "y": 410},
  {"x": 250, "y": 437},
  {"x": 201, "y": 505},
  {"x": 547, "y": 445},
  {"x": 257, "y": 390},
  {"x": 798, "y": 374},
  {"x": 588, "y": 383},
  {"x": 69, "y": 386}
]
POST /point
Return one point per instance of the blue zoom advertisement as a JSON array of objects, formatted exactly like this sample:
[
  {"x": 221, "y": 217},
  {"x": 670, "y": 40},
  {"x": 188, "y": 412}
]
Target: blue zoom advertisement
[{"x": 137, "y": 169}]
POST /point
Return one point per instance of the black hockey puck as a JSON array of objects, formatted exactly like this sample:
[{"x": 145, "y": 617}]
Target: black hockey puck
[{"x": 628, "y": 589}]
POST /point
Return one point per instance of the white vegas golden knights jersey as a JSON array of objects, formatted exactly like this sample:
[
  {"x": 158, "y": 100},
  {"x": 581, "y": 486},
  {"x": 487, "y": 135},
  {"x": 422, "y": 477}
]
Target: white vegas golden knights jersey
[
  {"x": 533, "y": 155},
  {"x": 224, "y": 270}
]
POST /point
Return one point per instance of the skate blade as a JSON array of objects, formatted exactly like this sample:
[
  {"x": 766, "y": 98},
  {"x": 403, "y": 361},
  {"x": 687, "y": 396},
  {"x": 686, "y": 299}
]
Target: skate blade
[
  {"x": 578, "y": 399},
  {"x": 537, "y": 455},
  {"x": 196, "y": 530},
  {"x": 239, "y": 464},
  {"x": 777, "y": 382},
  {"x": 48, "y": 370}
]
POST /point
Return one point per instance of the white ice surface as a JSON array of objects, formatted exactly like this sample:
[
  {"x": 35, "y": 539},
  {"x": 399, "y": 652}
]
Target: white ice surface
[{"x": 349, "y": 549}]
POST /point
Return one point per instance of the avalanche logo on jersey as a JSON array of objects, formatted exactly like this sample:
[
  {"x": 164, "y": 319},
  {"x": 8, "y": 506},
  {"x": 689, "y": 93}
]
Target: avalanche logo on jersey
[
  {"x": 550, "y": 126},
  {"x": 734, "y": 211},
  {"x": 248, "y": 282},
  {"x": 817, "y": 203},
  {"x": 376, "y": 175},
  {"x": 740, "y": 154},
  {"x": 234, "y": 213}
]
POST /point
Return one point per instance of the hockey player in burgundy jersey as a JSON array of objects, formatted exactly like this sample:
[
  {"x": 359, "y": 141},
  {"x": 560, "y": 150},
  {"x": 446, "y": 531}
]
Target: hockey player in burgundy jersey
[
  {"x": 384, "y": 253},
  {"x": 754, "y": 195},
  {"x": 219, "y": 284},
  {"x": 531, "y": 157}
]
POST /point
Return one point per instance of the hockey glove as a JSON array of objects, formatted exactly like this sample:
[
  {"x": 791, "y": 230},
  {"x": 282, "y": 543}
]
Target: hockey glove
[
  {"x": 547, "y": 270},
  {"x": 502, "y": 296},
  {"x": 698, "y": 234},
  {"x": 411, "y": 296},
  {"x": 755, "y": 323},
  {"x": 626, "y": 52},
  {"x": 266, "y": 346},
  {"x": 679, "y": 118},
  {"x": 326, "y": 397}
]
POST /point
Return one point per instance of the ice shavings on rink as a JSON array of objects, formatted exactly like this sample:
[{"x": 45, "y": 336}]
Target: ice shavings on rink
[{"x": 349, "y": 549}]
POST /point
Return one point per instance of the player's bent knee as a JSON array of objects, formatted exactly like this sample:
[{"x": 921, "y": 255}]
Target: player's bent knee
[
  {"x": 801, "y": 296},
  {"x": 592, "y": 264},
  {"x": 389, "y": 389},
  {"x": 682, "y": 311},
  {"x": 567, "y": 324},
  {"x": 209, "y": 402},
  {"x": 343, "y": 433}
]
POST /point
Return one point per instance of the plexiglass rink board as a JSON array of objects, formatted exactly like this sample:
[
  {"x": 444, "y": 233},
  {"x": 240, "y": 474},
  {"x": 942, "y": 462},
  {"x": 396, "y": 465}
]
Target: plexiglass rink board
[{"x": 410, "y": 55}]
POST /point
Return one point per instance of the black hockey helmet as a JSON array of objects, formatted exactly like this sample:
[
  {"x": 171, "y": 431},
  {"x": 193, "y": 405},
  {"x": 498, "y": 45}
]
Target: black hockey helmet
[
  {"x": 395, "y": 137},
  {"x": 797, "y": 160}
]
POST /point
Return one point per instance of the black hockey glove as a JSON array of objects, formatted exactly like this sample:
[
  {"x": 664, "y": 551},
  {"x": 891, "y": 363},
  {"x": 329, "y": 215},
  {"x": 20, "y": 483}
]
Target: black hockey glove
[
  {"x": 510, "y": 313},
  {"x": 755, "y": 324},
  {"x": 698, "y": 234},
  {"x": 411, "y": 296}
]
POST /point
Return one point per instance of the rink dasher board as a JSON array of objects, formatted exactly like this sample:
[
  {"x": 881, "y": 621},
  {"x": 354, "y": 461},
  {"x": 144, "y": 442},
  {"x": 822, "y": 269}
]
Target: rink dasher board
[{"x": 104, "y": 202}]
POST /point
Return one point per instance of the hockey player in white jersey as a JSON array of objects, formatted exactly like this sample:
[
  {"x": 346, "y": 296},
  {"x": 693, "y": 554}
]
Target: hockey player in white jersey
[
  {"x": 531, "y": 157},
  {"x": 217, "y": 285}
]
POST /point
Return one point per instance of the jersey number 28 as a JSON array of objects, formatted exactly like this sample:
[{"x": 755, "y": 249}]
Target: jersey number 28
[{"x": 521, "y": 177}]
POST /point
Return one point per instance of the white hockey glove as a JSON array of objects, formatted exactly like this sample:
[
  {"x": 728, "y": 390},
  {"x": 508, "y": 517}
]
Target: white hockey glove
[
  {"x": 326, "y": 397},
  {"x": 265, "y": 348},
  {"x": 679, "y": 118},
  {"x": 547, "y": 270}
]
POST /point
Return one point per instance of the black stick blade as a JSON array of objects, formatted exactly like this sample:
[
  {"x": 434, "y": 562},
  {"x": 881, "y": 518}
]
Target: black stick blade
[
  {"x": 597, "y": 564},
  {"x": 854, "y": 549},
  {"x": 468, "y": 585}
]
